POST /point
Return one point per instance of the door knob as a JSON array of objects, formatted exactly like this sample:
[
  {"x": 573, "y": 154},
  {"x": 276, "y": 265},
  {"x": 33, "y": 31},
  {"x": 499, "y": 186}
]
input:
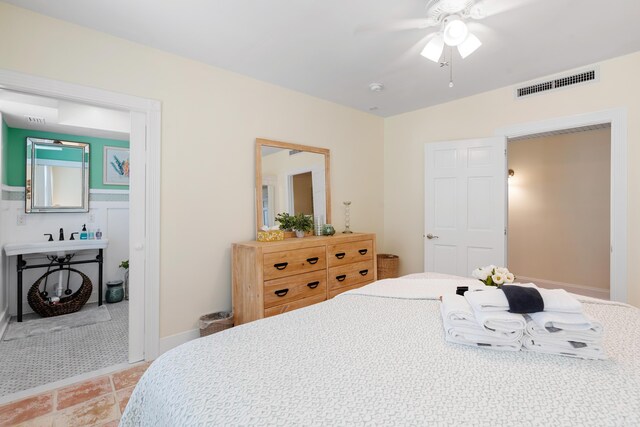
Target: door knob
[{"x": 431, "y": 236}]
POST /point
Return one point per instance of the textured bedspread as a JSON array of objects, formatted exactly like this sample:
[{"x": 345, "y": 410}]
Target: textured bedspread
[{"x": 370, "y": 360}]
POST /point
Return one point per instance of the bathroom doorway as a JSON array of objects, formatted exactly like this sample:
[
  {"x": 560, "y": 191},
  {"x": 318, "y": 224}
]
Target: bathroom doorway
[{"x": 559, "y": 202}]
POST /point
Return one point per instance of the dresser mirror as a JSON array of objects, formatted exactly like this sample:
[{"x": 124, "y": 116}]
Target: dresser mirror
[
  {"x": 291, "y": 178},
  {"x": 57, "y": 176}
]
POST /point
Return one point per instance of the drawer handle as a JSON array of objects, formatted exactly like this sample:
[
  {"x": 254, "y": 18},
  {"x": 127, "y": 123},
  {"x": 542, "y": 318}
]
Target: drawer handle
[
  {"x": 362, "y": 251},
  {"x": 313, "y": 285},
  {"x": 312, "y": 260},
  {"x": 281, "y": 265},
  {"x": 340, "y": 255},
  {"x": 363, "y": 272},
  {"x": 281, "y": 292},
  {"x": 341, "y": 277}
]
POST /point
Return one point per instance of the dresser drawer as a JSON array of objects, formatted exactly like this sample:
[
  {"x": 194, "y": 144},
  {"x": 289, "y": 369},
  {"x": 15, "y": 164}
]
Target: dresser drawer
[
  {"x": 279, "y": 309},
  {"x": 347, "y": 275},
  {"x": 338, "y": 291},
  {"x": 288, "y": 289},
  {"x": 347, "y": 253},
  {"x": 296, "y": 261}
]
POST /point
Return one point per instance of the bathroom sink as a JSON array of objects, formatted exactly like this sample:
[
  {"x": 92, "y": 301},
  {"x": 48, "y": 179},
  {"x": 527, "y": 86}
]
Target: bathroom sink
[{"x": 59, "y": 248}]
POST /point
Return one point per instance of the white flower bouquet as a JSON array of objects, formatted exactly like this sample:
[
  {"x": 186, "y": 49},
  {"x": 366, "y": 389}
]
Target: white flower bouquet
[{"x": 493, "y": 276}]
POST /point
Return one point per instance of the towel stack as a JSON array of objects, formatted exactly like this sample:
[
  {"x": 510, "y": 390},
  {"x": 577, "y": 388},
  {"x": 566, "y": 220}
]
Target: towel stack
[
  {"x": 562, "y": 328},
  {"x": 497, "y": 330}
]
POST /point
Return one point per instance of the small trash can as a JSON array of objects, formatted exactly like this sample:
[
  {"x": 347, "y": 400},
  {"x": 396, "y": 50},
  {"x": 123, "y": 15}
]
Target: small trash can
[
  {"x": 388, "y": 266},
  {"x": 215, "y": 322}
]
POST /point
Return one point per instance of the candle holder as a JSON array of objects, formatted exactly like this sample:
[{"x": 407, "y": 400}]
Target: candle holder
[{"x": 347, "y": 217}]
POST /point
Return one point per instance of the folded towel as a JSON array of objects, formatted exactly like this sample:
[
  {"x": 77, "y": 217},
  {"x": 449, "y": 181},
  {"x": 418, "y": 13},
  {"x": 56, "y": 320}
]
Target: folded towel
[
  {"x": 564, "y": 348},
  {"x": 501, "y": 321},
  {"x": 478, "y": 334},
  {"x": 495, "y": 300},
  {"x": 553, "y": 321},
  {"x": 513, "y": 346},
  {"x": 523, "y": 299},
  {"x": 591, "y": 336}
]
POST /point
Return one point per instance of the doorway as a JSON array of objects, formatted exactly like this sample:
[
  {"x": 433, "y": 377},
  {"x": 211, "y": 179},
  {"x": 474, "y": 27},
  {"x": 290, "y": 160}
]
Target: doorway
[
  {"x": 559, "y": 209},
  {"x": 144, "y": 195}
]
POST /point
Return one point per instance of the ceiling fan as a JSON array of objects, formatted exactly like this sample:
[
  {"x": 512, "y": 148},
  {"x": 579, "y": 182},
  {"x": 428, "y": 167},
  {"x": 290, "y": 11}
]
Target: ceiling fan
[{"x": 451, "y": 17}]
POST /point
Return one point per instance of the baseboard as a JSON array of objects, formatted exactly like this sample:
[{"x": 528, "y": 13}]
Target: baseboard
[
  {"x": 172, "y": 341},
  {"x": 4, "y": 321},
  {"x": 569, "y": 287}
]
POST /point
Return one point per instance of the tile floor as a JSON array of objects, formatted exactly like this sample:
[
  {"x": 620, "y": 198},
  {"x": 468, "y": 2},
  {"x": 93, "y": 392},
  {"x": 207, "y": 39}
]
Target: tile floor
[{"x": 98, "y": 401}]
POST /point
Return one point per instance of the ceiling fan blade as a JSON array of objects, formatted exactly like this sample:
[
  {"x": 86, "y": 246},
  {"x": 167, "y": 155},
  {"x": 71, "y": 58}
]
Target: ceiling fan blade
[
  {"x": 487, "y": 8},
  {"x": 400, "y": 25}
]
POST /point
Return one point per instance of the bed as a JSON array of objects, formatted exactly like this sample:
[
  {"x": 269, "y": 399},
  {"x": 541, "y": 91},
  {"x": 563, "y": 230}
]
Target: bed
[{"x": 376, "y": 356}]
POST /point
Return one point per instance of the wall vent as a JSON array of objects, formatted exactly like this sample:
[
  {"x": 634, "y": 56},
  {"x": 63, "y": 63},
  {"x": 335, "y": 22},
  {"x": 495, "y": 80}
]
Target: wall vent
[
  {"x": 34, "y": 120},
  {"x": 294, "y": 152},
  {"x": 587, "y": 76}
]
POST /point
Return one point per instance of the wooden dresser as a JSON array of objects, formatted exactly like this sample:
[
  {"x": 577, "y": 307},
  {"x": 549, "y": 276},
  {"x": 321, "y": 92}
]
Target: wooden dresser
[{"x": 270, "y": 278}]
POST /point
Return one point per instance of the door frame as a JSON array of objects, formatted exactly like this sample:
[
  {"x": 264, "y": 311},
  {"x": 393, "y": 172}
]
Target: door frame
[
  {"x": 144, "y": 201},
  {"x": 618, "y": 119}
]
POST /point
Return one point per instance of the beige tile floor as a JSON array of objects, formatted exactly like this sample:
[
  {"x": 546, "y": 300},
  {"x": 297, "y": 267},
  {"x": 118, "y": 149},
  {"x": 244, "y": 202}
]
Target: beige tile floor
[{"x": 98, "y": 401}]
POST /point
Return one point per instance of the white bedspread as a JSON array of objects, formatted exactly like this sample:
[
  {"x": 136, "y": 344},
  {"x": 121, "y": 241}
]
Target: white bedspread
[{"x": 367, "y": 358}]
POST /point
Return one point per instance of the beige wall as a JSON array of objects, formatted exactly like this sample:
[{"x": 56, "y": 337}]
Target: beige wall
[
  {"x": 210, "y": 119},
  {"x": 480, "y": 116},
  {"x": 559, "y": 208}
]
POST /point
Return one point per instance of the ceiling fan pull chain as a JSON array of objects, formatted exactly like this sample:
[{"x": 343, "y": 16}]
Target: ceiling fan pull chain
[{"x": 450, "y": 67}]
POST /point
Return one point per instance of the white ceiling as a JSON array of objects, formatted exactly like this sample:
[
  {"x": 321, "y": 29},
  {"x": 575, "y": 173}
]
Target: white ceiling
[
  {"x": 334, "y": 49},
  {"x": 60, "y": 116}
]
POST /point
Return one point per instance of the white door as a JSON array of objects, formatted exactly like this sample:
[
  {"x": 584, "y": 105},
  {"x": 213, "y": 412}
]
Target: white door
[{"x": 465, "y": 205}]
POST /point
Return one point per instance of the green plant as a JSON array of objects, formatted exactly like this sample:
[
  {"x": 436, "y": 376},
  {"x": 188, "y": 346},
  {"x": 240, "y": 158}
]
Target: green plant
[
  {"x": 124, "y": 264},
  {"x": 302, "y": 222},
  {"x": 285, "y": 220}
]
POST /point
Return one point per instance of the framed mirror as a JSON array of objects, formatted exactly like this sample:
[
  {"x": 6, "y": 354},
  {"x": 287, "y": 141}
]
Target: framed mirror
[
  {"x": 291, "y": 178},
  {"x": 57, "y": 176}
]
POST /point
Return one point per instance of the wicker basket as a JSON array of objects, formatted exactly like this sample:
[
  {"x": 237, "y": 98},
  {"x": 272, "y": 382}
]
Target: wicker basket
[
  {"x": 388, "y": 266},
  {"x": 215, "y": 322},
  {"x": 66, "y": 305}
]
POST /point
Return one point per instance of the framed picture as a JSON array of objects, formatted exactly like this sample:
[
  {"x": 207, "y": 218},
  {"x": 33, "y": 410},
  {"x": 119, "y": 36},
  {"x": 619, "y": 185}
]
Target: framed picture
[{"x": 115, "y": 168}]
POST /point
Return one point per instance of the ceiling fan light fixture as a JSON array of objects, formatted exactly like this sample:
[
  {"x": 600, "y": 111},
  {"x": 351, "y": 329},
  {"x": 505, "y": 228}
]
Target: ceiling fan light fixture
[
  {"x": 433, "y": 50},
  {"x": 469, "y": 45},
  {"x": 455, "y": 31}
]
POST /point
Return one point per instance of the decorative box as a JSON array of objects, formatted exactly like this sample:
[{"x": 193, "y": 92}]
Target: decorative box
[{"x": 270, "y": 236}]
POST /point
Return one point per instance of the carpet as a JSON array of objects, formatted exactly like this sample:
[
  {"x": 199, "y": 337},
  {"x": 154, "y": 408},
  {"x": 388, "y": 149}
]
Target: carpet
[{"x": 46, "y": 325}]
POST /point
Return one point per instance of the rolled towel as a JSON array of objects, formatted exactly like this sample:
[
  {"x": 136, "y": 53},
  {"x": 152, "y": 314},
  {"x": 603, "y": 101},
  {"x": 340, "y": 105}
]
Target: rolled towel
[
  {"x": 551, "y": 321},
  {"x": 456, "y": 311},
  {"x": 564, "y": 348},
  {"x": 501, "y": 321},
  {"x": 591, "y": 336},
  {"x": 495, "y": 300}
]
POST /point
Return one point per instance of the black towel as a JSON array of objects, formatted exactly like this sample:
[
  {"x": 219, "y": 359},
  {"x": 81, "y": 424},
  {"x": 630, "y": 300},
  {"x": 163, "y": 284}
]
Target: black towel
[{"x": 523, "y": 299}]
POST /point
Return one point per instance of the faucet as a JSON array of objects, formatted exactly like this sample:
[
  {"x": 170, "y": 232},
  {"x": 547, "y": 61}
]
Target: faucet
[
  {"x": 61, "y": 234},
  {"x": 72, "y": 238},
  {"x": 50, "y": 237}
]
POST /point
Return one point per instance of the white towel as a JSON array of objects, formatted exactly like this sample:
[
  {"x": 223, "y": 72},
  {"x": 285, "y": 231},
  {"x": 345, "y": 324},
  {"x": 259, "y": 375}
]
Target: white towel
[
  {"x": 564, "y": 348},
  {"x": 495, "y": 300},
  {"x": 457, "y": 312},
  {"x": 566, "y": 321},
  {"x": 513, "y": 346},
  {"x": 478, "y": 334},
  {"x": 591, "y": 336},
  {"x": 501, "y": 321}
]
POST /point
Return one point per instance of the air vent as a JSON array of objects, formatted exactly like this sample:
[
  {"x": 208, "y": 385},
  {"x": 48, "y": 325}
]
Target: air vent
[
  {"x": 294, "y": 152},
  {"x": 34, "y": 120},
  {"x": 560, "y": 82}
]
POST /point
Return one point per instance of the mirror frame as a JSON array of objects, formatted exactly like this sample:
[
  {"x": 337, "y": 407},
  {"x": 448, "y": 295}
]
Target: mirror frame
[
  {"x": 28, "y": 194},
  {"x": 289, "y": 146}
]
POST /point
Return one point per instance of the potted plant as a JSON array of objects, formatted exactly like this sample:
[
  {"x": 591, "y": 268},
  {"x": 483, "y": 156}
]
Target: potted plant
[
  {"x": 285, "y": 220},
  {"x": 301, "y": 224},
  {"x": 125, "y": 265}
]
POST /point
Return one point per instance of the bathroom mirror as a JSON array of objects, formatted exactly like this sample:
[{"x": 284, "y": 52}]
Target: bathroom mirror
[
  {"x": 291, "y": 178},
  {"x": 57, "y": 176}
]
